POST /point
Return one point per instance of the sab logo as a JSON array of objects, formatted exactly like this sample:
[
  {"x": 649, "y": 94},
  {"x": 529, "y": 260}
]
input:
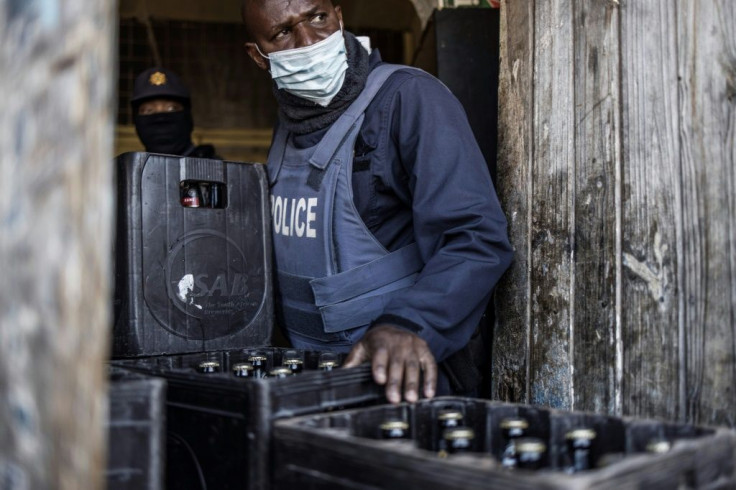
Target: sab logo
[
  {"x": 206, "y": 275},
  {"x": 191, "y": 286}
]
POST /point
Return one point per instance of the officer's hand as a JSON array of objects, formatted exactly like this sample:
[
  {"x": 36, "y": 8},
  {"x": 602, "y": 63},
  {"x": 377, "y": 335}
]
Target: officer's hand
[{"x": 397, "y": 357}]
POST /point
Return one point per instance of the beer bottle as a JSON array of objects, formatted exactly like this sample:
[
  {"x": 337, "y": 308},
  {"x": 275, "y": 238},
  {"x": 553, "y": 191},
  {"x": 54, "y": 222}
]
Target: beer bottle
[
  {"x": 447, "y": 419},
  {"x": 658, "y": 445},
  {"x": 280, "y": 372},
  {"x": 243, "y": 370},
  {"x": 394, "y": 429},
  {"x": 529, "y": 453},
  {"x": 327, "y": 361},
  {"x": 294, "y": 365},
  {"x": 258, "y": 361},
  {"x": 512, "y": 429},
  {"x": 215, "y": 196},
  {"x": 459, "y": 439},
  {"x": 579, "y": 447},
  {"x": 204, "y": 194},
  {"x": 208, "y": 367},
  {"x": 293, "y": 361},
  {"x": 190, "y": 196}
]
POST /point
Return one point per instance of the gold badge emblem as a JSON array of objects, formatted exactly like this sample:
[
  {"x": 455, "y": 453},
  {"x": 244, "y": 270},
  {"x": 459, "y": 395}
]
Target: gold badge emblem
[{"x": 157, "y": 79}]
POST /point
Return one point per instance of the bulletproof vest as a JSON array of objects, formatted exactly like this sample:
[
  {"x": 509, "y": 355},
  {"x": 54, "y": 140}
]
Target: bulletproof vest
[{"x": 333, "y": 275}]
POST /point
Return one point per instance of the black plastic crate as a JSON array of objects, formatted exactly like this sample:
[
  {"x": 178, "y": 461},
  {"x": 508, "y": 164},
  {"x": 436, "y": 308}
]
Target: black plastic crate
[
  {"x": 135, "y": 431},
  {"x": 190, "y": 279},
  {"x": 347, "y": 450},
  {"x": 219, "y": 425}
]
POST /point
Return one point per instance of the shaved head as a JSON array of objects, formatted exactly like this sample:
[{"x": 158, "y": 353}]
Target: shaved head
[
  {"x": 277, "y": 25},
  {"x": 247, "y": 5}
]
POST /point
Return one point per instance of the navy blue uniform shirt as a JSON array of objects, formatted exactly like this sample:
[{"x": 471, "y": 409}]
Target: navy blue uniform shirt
[{"x": 418, "y": 175}]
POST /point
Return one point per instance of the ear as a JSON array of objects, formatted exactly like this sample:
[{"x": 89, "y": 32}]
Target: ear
[
  {"x": 259, "y": 60},
  {"x": 338, "y": 11}
]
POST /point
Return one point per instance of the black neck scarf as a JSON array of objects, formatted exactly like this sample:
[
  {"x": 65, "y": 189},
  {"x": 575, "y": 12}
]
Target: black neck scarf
[{"x": 302, "y": 116}]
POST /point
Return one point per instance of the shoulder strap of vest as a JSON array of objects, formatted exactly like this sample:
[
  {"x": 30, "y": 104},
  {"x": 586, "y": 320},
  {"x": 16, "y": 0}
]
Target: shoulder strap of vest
[
  {"x": 276, "y": 153},
  {"x": 335, "y": 135},
  {"x": 340, "y": 129}
]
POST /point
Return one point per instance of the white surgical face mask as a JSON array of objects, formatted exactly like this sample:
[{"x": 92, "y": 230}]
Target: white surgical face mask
[{"x": 315, "y": 72}]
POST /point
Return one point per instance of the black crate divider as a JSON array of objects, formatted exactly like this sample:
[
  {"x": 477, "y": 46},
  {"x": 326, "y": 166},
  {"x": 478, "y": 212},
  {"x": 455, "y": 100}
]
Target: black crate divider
[
  {"x": 343, "y": 451},
  {"x": 219, "y": 426},
  {"x": 135, "y": 431}
]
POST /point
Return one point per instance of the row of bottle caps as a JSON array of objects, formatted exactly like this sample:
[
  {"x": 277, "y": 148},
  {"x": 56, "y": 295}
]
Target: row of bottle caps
[
  {"x": 256, "y": 365},
  {"x": 521, "y": 450}
]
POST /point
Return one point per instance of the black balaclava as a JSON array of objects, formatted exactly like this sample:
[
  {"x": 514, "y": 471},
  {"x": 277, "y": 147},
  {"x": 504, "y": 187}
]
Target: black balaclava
[{"x": 166, "y": 132}]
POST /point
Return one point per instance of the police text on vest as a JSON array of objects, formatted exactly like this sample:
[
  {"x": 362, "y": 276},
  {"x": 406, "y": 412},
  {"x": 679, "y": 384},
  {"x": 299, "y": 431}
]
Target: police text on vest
[{"x": 294, "y": 217}]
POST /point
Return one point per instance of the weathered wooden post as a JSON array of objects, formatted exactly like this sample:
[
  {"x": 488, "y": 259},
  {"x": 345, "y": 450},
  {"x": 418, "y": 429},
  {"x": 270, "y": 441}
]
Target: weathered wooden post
[
  {"x": 56, "y": 128},
  {"x": 617, "y": 167}
]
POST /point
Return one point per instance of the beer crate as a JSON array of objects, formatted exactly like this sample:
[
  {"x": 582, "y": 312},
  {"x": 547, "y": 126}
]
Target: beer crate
[
  {"x": 219, "y": 425},
  {"x": 135, "y": 431},
  {"x": 191, "y": 274},
  {"x": 348, "y": 450}
]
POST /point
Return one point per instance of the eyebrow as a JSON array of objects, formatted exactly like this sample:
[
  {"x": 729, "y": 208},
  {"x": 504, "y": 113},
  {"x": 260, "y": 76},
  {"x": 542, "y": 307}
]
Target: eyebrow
[{"x": 290, "y": 23}]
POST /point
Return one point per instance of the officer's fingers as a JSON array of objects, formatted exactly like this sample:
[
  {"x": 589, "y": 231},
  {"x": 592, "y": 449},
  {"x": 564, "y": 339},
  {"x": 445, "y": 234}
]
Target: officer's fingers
[
  {"x": 357, "y": 356},
  {"x": 429, "y": 366},
  {"x": 379, "y": 362},
  {"x": 395, "y": 378},
  {"x": 411, "y": 379}
]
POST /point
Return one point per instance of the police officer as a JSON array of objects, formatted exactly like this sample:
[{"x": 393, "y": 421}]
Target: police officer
[
  {"x": 162, "y": 114},
  {"x": 388, "y": 235}
]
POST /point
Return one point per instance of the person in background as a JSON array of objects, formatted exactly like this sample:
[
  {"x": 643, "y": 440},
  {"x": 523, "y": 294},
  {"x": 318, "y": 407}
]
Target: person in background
[
  {"x": 388, "y": 236},
  {"x": 162, "y": 115}
]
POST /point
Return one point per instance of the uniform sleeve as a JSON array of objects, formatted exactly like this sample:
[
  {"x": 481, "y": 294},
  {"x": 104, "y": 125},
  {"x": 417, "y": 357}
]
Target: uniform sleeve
[{"x": 458, "y": 223}]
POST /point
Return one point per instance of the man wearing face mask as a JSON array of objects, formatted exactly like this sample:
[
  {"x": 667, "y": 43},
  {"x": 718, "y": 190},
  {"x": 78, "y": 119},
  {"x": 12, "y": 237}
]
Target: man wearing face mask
[
  {"x": 162, "y": 114},
  {"x": 387, "y": 232}
]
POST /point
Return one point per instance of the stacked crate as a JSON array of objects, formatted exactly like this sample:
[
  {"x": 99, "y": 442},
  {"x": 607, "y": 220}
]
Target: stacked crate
[
  {"x": 190, "y": 279},
  {"x": 348, "y": 450},
  {"x": 136, "y": 429},
  {"x": 194, "y": 285},
  {"x": 219, "y": 424}
]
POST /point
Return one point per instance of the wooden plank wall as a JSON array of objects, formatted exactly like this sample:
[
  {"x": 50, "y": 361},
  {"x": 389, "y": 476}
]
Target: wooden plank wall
[
  {"x": 56, "y": 134},
  {"x": 707, "y": 111},
  {"x": 617, "y": 162}
]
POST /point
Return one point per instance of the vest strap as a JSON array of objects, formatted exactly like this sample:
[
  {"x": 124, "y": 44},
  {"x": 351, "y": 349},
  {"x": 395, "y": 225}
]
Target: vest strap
[
  {"x": 352, "y": 298},
  {"x": 334, "y": 138},
  {"x": 295, "y": 287},
  {"x": 310, "y": 322},
  {"x": 363, "y": 309},
  {"x": 276, "y": 154},
  {"x": 368, "y": 277}
]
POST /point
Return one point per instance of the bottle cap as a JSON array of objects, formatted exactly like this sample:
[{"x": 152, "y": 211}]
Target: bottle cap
[
  {"x": 208, "y": 366},
  {"x": 450, "y": 415},
  {"x": 582, "y": 433},
  {"x": 514, "y": 423},
  {"x": 242, "y": 367},
  {"x": 458, "y": 433},
  {"x": 394, "y": 424},
  {"x": 280, "y": 371},
  {"x": 530, "y": 445},
  {"x": 658, "y": 446}
]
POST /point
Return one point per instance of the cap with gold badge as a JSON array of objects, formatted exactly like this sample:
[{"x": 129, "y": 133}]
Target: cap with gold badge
[{"x": 158, "y": 82}]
